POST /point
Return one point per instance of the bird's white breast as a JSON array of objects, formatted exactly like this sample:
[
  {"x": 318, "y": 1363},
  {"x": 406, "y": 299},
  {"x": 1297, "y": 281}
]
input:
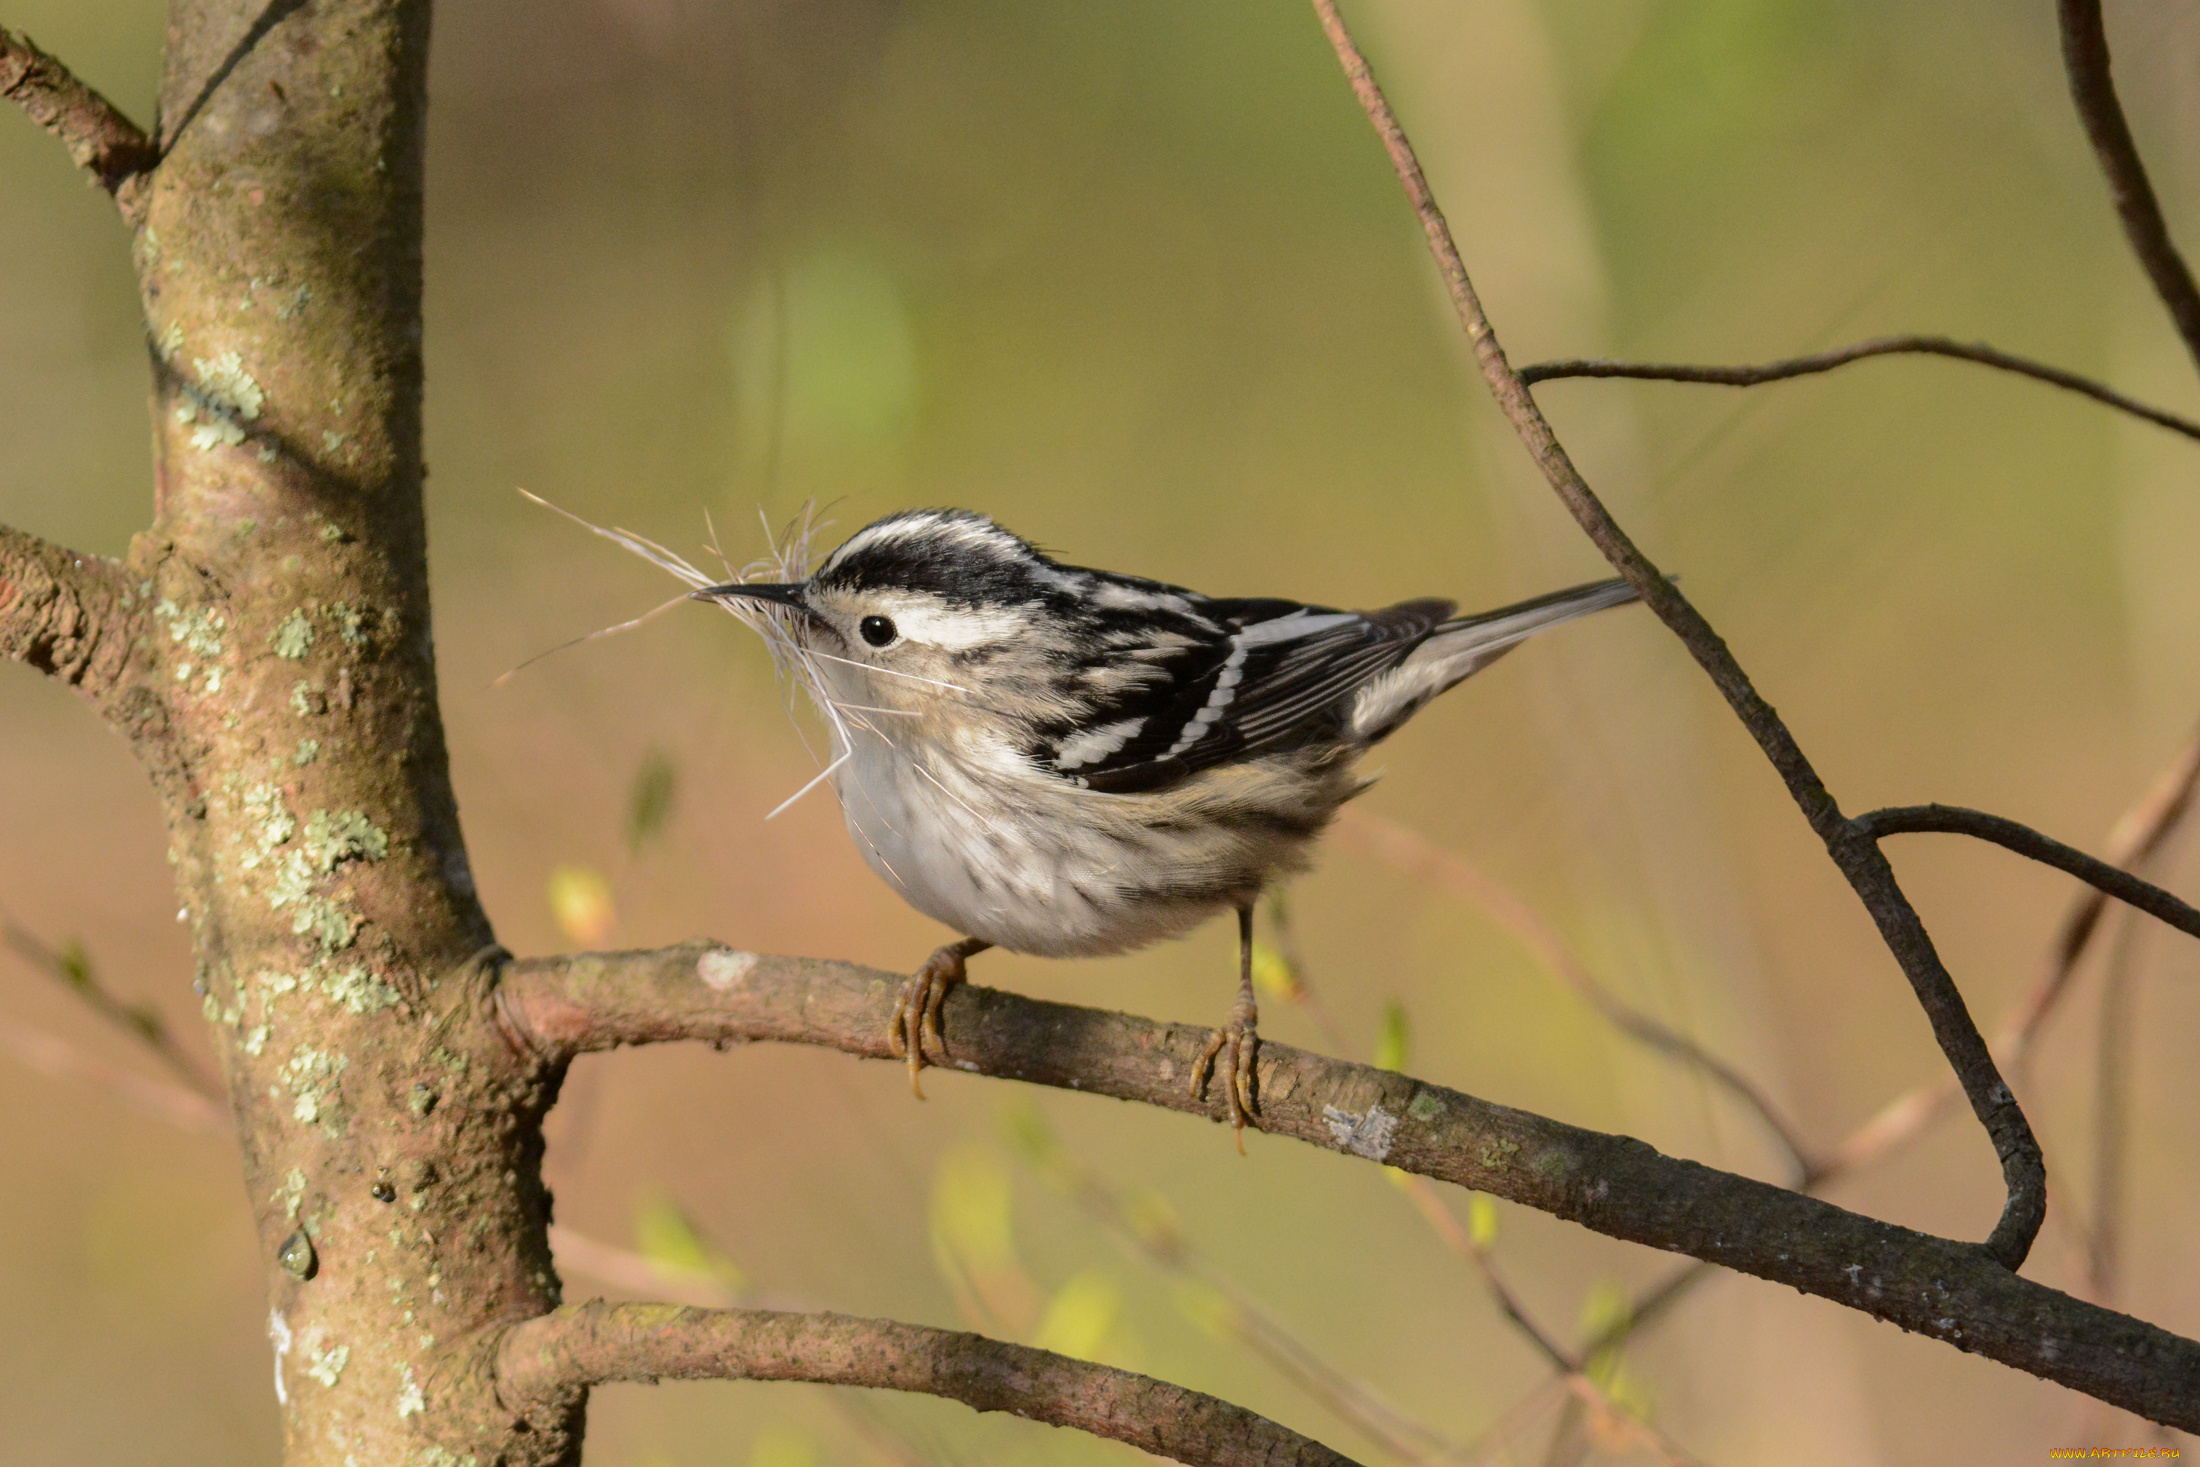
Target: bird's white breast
[{"x": 1014, "y": 857}]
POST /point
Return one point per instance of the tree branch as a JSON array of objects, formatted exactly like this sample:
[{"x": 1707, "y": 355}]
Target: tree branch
[
  {"x": 70, "y": 616},
  {"x": 2025, "y": 841},
  {"x": 1878, "y": 346},
  {"x": 557, "y": 1354},
  {"x": 2137, "y": 834},
  {"x": 2085, "y": 62},
  {"x": 55, "y": 1057},
  {"x": 102, "y": 141},
  {"x": 2023, "y": 1169},
  {"x": 1955, "y": 1292},
  {"x": 1408, "y": 850},
  {"x": 73, "y": 970}
]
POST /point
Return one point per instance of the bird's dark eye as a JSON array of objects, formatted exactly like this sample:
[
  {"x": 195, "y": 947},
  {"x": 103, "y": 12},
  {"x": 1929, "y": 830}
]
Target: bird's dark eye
[{"x": 877, "y": 630}]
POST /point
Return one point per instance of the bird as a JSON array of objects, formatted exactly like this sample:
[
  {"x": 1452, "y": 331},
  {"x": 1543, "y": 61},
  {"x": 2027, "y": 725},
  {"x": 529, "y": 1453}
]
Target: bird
[{"x": 1069, "y": 762}]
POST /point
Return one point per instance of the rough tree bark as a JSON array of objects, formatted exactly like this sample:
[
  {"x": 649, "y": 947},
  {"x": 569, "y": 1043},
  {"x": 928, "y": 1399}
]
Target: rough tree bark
[
  {"x": 283, "y": 691},
  {"x": 265, "y": 646}
]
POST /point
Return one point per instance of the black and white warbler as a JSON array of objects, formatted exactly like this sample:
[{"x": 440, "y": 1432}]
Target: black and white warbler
[{"x": 1066, "y": 762}]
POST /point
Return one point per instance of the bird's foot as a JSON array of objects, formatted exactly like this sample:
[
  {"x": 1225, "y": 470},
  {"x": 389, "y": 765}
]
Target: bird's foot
[
  {"x": 1237, "y": 1044},
  {"x": 917, "y": 1011}
]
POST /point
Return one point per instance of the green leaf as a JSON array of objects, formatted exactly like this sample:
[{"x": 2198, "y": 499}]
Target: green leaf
[
  {"x": 1392, "y": 1038},
  {"x": 1154, "y": 1223},
  {"x": 971, "y": 1212},
  {"x": 1080, "y": 1316},
  {"x": 76, "y": 965},
  {"x": 1030, "y": 1136},
  {"x": 1606, "y": 1308},
  {"x": 1482, "y": 1220},
  {"x": 664, "y": 1235},
  {"x": 649, "y": 805},
  {"x": 1272, "y": 972},
  {"x": 1208, "y": 1309}
]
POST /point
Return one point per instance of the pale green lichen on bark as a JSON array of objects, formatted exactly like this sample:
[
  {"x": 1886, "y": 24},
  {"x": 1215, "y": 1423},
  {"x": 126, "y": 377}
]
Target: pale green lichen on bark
[
  {"x": 312, "y": 1077},
  {"x": 359, "y": 990},
  {"x": 350, "y": 621},
  {"x": 341, "y": 835},
  {"x": 293, "y": 638},
  {"x": 221, "y": 402},
  {"x": 410, "y": 1400},
  {"x": 324, "y": 1362}
]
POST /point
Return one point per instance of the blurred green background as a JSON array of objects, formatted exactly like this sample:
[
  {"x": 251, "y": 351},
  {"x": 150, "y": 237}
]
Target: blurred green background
[{"x": 1136, "y": 278}]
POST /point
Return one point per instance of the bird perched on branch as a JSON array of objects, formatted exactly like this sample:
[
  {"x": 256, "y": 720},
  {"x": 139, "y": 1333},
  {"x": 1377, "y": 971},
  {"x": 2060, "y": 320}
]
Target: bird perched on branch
[{"x": 1070, "y": 762}]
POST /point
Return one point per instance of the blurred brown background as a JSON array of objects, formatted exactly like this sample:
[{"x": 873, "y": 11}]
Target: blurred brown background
[{"x": 1135, "y": 278}]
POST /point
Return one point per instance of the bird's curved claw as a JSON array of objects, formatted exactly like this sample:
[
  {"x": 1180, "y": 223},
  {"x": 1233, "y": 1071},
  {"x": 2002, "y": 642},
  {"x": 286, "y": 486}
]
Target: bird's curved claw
[
  {"x": 917, "y": 1012},
  {"x": 1237, "y": 1044}
]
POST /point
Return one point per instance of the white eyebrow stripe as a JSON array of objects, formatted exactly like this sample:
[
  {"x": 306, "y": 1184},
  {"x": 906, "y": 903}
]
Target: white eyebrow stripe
[{"x": 949, "y": 628}]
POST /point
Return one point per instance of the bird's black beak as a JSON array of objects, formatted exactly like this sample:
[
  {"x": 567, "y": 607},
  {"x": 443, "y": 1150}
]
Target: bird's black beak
[{"x": 789, "y": 594}]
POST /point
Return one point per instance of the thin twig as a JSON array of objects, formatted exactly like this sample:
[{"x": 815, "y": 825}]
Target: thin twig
[
  {"x": 56, "y": 1057},
  {"x": 102, "y": 141},
  {"x": 1460, "y": 1241},
  {"x": 551, "y": 1358},
  {"x": 2111, "y": 1121},
  {"x": 1440, "y": 1218},
  {"x": 2136, "y": 835},
  {"x": 2093, "y": 90},
  {"x": 141, "y": 1022},
  {"x": 1154, "y": 1233},
  {"x": 1878, "y": 346},
  {"x": 2025, "y": 841},
  {"x": 1409, "y": 851},
  {"x": 2024, "y": 1171},
  {"x": 624, "y": 1268}
]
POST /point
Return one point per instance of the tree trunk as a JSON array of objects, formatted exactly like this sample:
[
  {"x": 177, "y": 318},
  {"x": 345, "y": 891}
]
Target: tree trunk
[{"x": 286, "y": 699}]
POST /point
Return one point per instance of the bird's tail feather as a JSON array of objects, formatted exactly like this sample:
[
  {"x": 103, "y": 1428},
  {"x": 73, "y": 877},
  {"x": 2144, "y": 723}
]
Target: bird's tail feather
[
  {"x": 1463, "y": 646},
  {"x": 1509, "y": 625}
]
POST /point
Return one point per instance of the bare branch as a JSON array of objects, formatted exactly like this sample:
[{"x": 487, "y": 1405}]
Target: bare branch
[
  {"x": 2112, "y": 1051},
  {"x": 1440, "y": 1218},
  {"x": 2025, "y": 841},
  {"x": 68, "y": 615},
  {"x": 1154, "y": 1232},
  {"x": 1955, "y": 1292},
  {"x": 56, "y": 1057},
  {"x": 2085, "y": 61},
  {"x": 1878, "y": 346},
  {"x": 2024, "y": 1171},
  {"x": 556, "y": 1354},
  {"x": 2137, "y": 834},
  {"x": 607, "y": 1263},
  {"x": 141, "y": 1022},
  {"x": 1409, "y": 851},
  {"x": 101, "y": 140}
]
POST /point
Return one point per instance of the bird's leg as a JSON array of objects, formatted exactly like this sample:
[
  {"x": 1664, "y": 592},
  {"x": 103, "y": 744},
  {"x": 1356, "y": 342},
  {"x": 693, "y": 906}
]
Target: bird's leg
[
  {"x": 917, "y": 1012},
  {"x": 1237, "y": 1041}
]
